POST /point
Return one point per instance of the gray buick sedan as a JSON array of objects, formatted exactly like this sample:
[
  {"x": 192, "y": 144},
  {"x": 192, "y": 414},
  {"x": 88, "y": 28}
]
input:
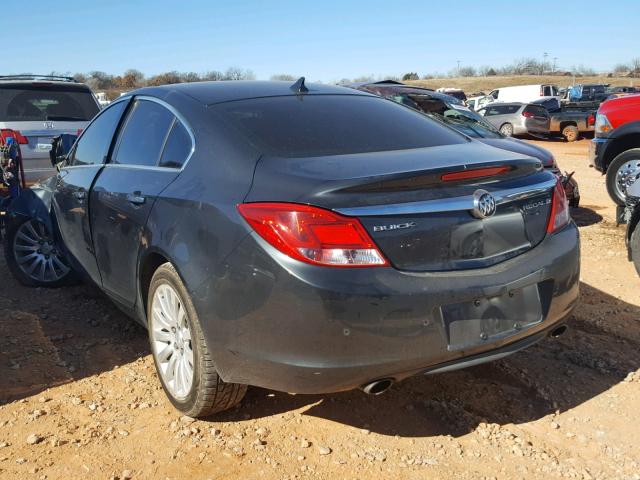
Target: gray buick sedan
[{"x": 303, "y": 238}]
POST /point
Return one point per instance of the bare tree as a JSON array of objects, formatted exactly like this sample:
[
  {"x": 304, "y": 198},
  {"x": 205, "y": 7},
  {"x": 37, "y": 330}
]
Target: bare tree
[
  {"x": 284, "y": 77},
  {"x": 213, "y": 75},
  {"x": 621, "y": 69},
  {"x": 467, "y": 72},
  {"x": 189, "y": 77},
  {"x": 236, "y": 73}
]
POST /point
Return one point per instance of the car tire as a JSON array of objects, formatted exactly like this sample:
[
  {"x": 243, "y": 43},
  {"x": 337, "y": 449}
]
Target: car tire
[
  {"x": 634, "y": 243},
  {"x": 180, "y": 349},
  {"x": 33, "y": 255},
  {"x": 506, "y": 129},
  {"x": 571, "y": 133},
  {"x": 623, "y": 168}
]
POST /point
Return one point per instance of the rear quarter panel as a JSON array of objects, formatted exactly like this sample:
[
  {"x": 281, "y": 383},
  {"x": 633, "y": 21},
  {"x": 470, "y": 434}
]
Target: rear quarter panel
[{"x": 194, "y": 222}]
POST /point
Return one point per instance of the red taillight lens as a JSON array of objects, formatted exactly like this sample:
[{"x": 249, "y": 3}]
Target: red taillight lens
[
  {"x": 313, "y": 235},
  {"x": 21, "y": 139},
  {"x": 79, "y": 132},
  {"x": 527, "y": 115},
  {"x": 559, "y": 209},
  {"x": 474, "y": 173},
  {"x": 591, "y": 120}
]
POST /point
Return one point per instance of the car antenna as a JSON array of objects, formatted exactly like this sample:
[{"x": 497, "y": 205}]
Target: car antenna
[{"x": 299, "y": 86}]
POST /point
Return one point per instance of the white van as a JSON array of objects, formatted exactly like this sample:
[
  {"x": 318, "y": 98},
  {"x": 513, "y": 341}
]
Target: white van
[{"x": 525, "y": 93}]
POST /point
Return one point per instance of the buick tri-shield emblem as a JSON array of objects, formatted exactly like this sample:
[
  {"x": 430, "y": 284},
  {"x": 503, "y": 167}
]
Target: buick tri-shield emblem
[{"x": 484, "y": 205}]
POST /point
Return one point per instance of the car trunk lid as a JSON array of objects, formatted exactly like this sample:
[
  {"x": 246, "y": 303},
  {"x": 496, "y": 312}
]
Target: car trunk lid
[{"x": 417, "y": 205}]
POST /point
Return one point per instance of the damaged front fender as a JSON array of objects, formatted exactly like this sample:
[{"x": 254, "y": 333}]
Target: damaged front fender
[{"x": 34, "y": 202}]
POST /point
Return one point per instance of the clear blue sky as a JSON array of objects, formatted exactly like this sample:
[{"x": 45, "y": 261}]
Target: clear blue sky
[{"x": 323, "y": 40}]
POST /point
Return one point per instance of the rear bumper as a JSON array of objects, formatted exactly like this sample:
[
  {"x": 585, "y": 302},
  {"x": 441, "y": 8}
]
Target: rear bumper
[
  {"x": 284, "y": 325},
  {"x": 597, "y": 147}
]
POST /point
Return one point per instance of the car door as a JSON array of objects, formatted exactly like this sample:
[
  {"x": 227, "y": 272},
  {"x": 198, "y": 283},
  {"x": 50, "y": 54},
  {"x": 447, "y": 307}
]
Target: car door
[
  {"x": 151, "y": 148},
  {"x": 493, "y": 114},
  {"x": 73, "y": 183}
]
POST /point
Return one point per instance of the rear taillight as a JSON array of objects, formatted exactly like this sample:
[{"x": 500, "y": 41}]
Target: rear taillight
[
  {"x": 591, "y": 120},
  {"x": 313, "y": 235},
  {"x": 79, "y": 132},
  {"x": 527, "y": 115},
  {"x": 21, "y": 139},
  {"x": 559, "y": 209}
]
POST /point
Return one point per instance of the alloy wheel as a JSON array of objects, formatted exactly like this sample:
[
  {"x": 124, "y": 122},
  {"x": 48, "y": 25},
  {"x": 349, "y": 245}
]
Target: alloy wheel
[
  {"x": 627, "y": 174},
  {"x": 171, "y": 339},
  {"x": 36, "y": 253}
]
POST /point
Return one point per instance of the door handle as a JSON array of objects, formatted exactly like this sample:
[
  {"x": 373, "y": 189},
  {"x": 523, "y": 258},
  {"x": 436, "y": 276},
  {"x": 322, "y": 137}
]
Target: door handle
[
  {"x": 136, "y": 198},
  {"x": 80, "y": 195}
]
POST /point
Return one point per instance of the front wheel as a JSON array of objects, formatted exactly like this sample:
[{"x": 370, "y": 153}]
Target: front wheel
[
  {"x": 33, "y": 256},
  {"x": 507, "y": 130},
  {"x": 622, "y": 172},
  {"x": 180, "y": 351}
]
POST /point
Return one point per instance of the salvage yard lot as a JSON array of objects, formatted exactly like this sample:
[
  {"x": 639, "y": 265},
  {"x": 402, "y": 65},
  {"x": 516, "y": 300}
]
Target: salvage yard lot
[{"x": 79, "y": 397}]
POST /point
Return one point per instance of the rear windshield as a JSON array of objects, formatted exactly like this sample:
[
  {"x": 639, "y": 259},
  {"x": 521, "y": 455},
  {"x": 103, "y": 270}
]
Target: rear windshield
[
  {"x": 537, "y": 110},
  {"x": 314, "y": 125},
  {"x": 31, "y": 102}
]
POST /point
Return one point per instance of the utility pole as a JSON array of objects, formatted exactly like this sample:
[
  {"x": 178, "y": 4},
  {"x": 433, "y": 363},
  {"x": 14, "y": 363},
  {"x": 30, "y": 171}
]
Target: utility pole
[
  {"x": 544, "y": 62},
  {"x": 458, "y": 68},
  {"x": 555, "y": 59}
]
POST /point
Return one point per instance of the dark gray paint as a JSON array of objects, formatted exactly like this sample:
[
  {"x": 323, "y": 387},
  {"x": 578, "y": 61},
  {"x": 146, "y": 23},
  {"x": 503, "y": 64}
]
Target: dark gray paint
[{"x": 272, "y": 321}]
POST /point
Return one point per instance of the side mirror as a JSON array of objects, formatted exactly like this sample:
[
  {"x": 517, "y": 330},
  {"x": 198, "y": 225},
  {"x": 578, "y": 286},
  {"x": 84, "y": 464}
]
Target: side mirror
[{"x": 61, "y": 147}]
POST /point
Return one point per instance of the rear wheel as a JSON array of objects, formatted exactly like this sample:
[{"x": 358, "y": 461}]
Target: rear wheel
[
  {"x": 570, "y": 133},
  {"x": 507, "y": 130},
  {"x": 33, "y": 255},
  {"x": 635, "y": 247},
  {"x": 180, "y": 351},
  {"x": 622, "y": 172}
]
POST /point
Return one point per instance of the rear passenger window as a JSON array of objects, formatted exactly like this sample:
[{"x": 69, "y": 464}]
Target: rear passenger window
[
  {"x": 177, "y": 148},
  {"x": 144, "y": 135},
  {"x": 511, "y": 109}
]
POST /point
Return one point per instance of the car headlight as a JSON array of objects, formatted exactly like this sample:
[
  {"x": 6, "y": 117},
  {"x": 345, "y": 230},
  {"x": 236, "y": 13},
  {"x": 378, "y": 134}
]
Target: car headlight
[{"x": 603, "y": 126}]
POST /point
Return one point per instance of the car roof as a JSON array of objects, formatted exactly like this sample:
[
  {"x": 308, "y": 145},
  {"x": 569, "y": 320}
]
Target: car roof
[
  {"x": 42, "y": 80},
  {"x": 210, "y": 93}
]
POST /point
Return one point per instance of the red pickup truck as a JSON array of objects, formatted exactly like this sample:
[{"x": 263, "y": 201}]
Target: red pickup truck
[{"x": 615, "y": 149}]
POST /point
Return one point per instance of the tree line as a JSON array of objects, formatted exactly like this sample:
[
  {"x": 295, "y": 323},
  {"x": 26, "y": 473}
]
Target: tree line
[
  {"x": 133, "y": 78},
  {"x": 530, "y": 66}
]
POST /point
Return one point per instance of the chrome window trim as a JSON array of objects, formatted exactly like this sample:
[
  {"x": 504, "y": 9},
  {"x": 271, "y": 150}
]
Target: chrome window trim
[
  {"x": 100, "y": 112},
  {"x": 179, "y": 117},
  {"x": 447, "y": 204}
]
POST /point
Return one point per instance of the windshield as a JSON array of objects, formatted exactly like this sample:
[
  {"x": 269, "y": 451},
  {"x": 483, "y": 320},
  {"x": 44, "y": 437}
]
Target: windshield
[
  {"x": 456, "y": 116},
  {"x": 316, "y": 125},
  {"x": 32, "y": 102}
]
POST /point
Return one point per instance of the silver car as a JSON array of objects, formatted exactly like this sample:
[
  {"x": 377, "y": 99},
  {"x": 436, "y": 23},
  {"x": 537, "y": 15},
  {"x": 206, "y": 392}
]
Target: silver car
[
  {"x": 40, "y": 107},
  {"x": 517, "y": 118}
]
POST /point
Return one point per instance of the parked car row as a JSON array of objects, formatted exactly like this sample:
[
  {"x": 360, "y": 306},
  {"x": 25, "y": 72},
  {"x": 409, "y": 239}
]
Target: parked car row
[
  {"x": 304, "y": 238},
  {"x": 489, "y": 130}
]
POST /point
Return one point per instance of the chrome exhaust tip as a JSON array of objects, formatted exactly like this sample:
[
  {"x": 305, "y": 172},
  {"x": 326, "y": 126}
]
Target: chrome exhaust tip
[
  {"x": 558, "y": 331},
  {"x": 378, "y": 387}
]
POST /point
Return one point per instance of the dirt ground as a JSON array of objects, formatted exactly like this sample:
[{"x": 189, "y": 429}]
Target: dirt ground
[{"x": 79, "y": 398}]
